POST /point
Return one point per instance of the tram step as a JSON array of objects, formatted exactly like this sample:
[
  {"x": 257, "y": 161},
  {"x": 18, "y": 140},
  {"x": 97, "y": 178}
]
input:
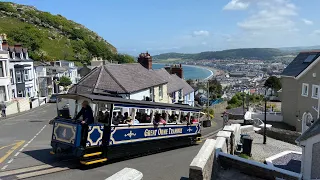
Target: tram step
[
  {"x": 92, "y": 154},
  {"x": 93, "y": 161}
]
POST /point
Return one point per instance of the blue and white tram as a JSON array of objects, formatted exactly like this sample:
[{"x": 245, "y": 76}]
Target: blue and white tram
[{"x": 122, "y": 127}]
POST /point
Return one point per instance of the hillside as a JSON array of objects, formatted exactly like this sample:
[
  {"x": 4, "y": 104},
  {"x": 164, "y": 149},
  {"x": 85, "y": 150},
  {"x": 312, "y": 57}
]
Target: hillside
[
  {"x": 51, "y": 37},
  {"x": 248, "y": 53}
]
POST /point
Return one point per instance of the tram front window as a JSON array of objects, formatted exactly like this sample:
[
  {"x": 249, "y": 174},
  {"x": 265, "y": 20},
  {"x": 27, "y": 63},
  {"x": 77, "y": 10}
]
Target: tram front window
[{"x": 63, "y": 107}]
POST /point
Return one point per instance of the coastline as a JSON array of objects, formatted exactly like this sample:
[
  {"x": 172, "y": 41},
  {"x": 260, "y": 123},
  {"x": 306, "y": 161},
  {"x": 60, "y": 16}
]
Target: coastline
[{"x": 213, "y": 71}]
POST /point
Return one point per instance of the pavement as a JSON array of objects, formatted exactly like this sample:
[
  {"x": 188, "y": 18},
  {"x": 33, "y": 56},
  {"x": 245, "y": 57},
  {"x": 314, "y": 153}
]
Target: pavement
[{"x": 25, "y": 146}]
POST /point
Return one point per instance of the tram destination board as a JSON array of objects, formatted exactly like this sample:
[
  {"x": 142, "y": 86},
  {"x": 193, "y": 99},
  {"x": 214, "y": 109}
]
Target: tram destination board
[{"x": 120, "y": 135}]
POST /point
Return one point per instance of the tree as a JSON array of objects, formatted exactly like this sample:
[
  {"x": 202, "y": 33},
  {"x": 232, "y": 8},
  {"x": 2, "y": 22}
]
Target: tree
[
  {"x": 123, "y": 58},
  {"x": 189, "y": 81},
  {"x": 273, "y": 82},
  {"x": 65, "y": 81},
  {"x": 215, "y": 88}
]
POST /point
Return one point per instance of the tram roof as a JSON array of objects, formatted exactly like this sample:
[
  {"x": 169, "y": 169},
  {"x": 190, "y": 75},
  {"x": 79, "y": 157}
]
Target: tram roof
[{"x": 128, "y": 102}]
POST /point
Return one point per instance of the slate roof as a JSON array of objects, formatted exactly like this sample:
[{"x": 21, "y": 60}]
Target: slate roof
[
  {"x": 186, "y": 87},
  {"x": 120, "y": 78},
  {"x": 173, "y": 84},
  {"x": 312, "y": 131},
  {"x": 298, "y": 65}
]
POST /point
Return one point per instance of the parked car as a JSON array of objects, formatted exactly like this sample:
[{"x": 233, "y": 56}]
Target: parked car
[{"x": 53, "y": 98}]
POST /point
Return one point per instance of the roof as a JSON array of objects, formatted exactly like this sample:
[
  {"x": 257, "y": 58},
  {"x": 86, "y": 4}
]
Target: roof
[
  {"x": 39, "y": 63},
  {"x": 312, "y": 131},
  {"x": 118, "y": 100},
  {"x": 120, "y": 78},
  {"x": 298, "y": 65},
  {"x": 173, "y": 84},
  {"x": 186, "y": 87}
]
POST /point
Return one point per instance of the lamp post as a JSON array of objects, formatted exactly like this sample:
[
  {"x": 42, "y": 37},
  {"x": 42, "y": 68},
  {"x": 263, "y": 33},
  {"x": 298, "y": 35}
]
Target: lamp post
[
  {"x": 265, "y": 118},
  {"x": 243, "y": 108}
]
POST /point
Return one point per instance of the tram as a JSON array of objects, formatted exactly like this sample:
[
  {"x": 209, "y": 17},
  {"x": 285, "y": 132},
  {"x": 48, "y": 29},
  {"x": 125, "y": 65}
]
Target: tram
[{"x": 121, "y": 127}]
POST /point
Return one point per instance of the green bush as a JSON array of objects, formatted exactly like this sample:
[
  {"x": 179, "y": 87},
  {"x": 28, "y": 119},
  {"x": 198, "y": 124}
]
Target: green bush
[{"x": 65, "y": 81}]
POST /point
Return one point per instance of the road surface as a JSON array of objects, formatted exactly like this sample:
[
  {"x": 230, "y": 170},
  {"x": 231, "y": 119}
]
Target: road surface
[{"x": 25, "y": 146}]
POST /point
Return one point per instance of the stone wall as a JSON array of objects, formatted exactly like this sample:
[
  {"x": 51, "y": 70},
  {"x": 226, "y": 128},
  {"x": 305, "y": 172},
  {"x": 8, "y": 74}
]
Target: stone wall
[
  {"x": 282, "y": 135},
  {"x": 254, "y": 168},
  {"x": 219, "y": 108},
  {"x": 201, "y": 165}
]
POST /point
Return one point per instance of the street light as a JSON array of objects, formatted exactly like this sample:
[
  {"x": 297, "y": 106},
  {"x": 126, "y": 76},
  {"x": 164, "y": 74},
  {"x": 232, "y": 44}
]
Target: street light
[
  {"x": 265, "y": 118},
  {"x": 243, "y": 108}
]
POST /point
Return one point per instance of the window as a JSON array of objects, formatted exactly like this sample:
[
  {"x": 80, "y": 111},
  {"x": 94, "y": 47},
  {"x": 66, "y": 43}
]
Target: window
[
  {"x": 309, "y": 58},
  {"x": 3, "y": 96},
  {"x": 13, "y": 94},
  {"x": 305, "y": 89},
  {"x": 18, "y": 77},
  {"x": 180, "y": 94},
  {"x": 11, "y": 76},
  {"x": 28, "y": 91},
  {"x": 161, "y": 92},
  {"x": 315, "y": 91},
  {"x": 20, "y": 93},
  {"x": 26, "y": 74},
  {"x": 1, "y": 69}
]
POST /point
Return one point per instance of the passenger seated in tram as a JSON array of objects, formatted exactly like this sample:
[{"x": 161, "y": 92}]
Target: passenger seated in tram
[
  {"x": 115, "y": 119},
  {"x": 120, "y": 118},
  {"x": 193, "y": 120},
  {"x": 128, "y": 120},
  {"x": 126, "y": 115},
  {"x": 87, "y": 118},
  {"x": 159, "y": 120}
]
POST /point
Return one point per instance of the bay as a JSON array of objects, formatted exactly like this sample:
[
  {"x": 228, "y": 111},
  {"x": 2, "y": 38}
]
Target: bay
[{"x": 189, "y": 72}]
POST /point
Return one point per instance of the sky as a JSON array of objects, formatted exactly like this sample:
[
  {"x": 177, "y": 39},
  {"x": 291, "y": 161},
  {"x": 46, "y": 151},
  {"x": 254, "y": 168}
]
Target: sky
[{"x": 190, "y": 26}]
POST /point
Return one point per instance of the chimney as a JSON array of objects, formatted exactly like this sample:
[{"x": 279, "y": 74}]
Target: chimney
[
  {"x": 178, "y": 70},
  {"x": 145, "y": 60}
]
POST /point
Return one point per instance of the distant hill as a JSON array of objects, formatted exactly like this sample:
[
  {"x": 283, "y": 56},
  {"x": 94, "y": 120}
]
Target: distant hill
[
  {"x": 247, "y": 53},
  {"x": 51, "y": 37}
]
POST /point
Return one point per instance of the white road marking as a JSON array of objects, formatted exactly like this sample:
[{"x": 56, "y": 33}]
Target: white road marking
[
  {"x": 10, "y": 161},
  {"x": 41, "y": 172},
  {"x": 23, "y": 170},
  {"x": 4, "y": 167}
]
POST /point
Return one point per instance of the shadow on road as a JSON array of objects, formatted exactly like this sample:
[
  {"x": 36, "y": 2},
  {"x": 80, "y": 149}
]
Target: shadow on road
[{"x": 44, "y": 156}]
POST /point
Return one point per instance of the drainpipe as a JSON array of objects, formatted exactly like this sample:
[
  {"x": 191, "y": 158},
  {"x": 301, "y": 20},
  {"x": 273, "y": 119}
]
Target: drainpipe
[{"x": 318, "y": 102}]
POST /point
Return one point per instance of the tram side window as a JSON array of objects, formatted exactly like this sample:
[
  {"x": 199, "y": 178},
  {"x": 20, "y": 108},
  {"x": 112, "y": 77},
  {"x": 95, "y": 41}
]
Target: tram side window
[
  {"x": 194, "y": 117},
  {"x": 185, "y": 117},
  {"x": 103, "y": 113},
  {"x": 173, "y": 116},
  {"x": 144, "y": 115},
  {"x": 160, "y": 117}
]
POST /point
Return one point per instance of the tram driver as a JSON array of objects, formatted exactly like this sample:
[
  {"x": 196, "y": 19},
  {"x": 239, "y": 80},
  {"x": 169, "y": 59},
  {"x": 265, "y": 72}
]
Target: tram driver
[{"x": 87, "y": 118}]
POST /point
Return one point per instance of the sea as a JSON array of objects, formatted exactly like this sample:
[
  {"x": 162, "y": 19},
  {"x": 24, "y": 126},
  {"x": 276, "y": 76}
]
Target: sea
[{"x": 189, "y": 72}]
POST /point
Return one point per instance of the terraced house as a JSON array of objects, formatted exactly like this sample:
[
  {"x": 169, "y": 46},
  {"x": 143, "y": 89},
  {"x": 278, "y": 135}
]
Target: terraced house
[
  {"x": 4, "y": 75},
  {"x": 300, "y": 88}
]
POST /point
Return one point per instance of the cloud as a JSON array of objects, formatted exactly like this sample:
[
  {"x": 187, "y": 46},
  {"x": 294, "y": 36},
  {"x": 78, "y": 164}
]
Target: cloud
[
  {"x": 307, "y": 22},
  {"x": 237, "y": 5},
  {"x": 316, "y": 32},
  {"x": 271, "y": 15},
  {"x": 201, "y": 33}
]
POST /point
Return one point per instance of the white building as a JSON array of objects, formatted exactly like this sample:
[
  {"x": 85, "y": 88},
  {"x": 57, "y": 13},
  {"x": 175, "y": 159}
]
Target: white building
[
  {"x": 4, "y": 75},
  {"x": 71, "y": 70},
  {"x": 45, "y": 79}
]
